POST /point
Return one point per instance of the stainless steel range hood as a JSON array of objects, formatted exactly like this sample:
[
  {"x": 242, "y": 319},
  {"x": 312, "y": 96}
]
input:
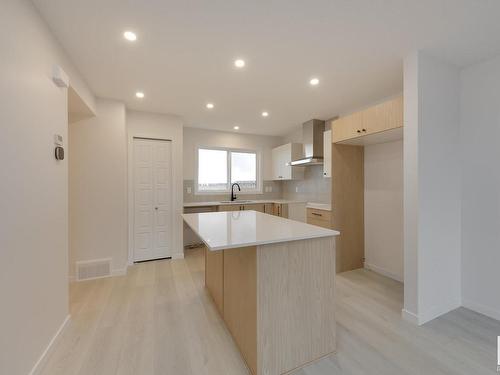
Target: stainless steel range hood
[{"x": 312, "y": 139}]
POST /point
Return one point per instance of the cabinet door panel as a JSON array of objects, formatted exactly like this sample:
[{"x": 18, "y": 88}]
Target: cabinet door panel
[
  {"x": 214, "y": 276},
  {"x": 384, "y": 116},
  {"x": 230, "y": 207},
  {"x": 269, "y": 208},
  {"x": 347, "y": 127},
  {"x": 254, "y": 207}
]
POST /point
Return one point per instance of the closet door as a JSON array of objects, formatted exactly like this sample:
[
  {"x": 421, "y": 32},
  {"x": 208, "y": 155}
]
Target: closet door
[{"x": 152, "y": 199}]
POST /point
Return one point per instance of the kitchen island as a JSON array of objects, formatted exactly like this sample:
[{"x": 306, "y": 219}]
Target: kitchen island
[{"x": 272, "y": 280}]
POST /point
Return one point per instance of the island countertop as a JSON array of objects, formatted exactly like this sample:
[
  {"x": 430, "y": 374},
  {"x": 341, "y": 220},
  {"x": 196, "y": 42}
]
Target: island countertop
[{"x": 233, "y": 229}]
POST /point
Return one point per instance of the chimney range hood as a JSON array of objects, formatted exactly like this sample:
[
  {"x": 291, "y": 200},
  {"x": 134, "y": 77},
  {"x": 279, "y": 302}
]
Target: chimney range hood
[{"x": 312, "y": 139}]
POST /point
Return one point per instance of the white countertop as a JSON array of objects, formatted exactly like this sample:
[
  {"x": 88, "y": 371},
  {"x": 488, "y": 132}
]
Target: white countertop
[
  {"x": 240, "y": 201},
  {"x": 228, "y": 230},
  {"x": 319, "y": 206}
]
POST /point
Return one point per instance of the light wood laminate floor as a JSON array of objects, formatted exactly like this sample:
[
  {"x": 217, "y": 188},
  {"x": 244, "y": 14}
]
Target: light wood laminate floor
[{"x": 159, "y": 319}]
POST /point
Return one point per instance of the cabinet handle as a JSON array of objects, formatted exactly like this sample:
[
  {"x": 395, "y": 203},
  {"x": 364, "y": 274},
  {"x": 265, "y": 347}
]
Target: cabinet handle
[
  {"x": 316, "y": 214},
  {"x": 364, "y": 130},
  {"x": 359, "y": 131}
]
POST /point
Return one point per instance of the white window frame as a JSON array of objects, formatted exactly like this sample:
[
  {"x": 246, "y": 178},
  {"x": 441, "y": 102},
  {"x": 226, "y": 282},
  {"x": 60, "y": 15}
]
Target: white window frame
[{"x": 229, "y": 150}]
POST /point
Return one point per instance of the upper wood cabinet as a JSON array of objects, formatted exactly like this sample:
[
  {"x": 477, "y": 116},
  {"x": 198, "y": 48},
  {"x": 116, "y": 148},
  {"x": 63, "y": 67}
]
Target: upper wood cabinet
[
  {"x": 282, "y": 156},
  {"x": 379, "y": 118}
]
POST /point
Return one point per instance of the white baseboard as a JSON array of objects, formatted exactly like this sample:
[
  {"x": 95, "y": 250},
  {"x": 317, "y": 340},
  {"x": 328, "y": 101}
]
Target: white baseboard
[
  {"x": 38, "y": 367},
  {"x": 409, "y": 316},
  {"x": 437, "y": 311},
  {"x": 481, "y": 309},
  {"x": 383, "y": 272}
]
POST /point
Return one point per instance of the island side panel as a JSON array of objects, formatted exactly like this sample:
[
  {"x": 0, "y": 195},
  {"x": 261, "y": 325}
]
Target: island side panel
[
  {"x": 295, "y": 309},
  {"x": 214, "y": 277},
  {"x": 240, "y": 301}
]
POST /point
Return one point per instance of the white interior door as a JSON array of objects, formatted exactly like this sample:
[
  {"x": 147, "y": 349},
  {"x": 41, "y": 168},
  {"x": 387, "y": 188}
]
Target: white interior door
[{"x": 152, "y": 199}]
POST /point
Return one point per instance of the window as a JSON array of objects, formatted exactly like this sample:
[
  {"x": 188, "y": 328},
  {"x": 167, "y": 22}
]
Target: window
[{"x": 219, "y": 168}]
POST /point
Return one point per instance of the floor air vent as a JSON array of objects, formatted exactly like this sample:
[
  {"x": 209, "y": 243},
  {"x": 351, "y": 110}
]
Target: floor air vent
[{"x": 93, "y": 269}]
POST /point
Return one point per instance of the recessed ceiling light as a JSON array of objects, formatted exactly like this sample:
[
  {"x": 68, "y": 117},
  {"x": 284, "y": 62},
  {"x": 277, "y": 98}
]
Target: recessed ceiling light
[
  {"x": 236, "y": 127},
  {"x": 314, "y": 81},
  {"x": 139, "y": 94},
  {"x": 130, "y": 36},
  {"x": 265, "y": 114},
  {"x": 210, "y": 105},
  {"x": 239, "y": 63}
]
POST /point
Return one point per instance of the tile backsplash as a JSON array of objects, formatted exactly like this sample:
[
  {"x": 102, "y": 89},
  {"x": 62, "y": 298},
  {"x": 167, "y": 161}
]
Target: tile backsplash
[
  {"x": 313, "y": 188},
  {"x": 271, "y": 190}
]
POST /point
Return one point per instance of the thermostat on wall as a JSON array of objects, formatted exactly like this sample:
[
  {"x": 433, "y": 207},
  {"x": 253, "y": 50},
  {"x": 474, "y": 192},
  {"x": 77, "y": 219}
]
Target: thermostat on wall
[{"x": 59, "y": 151}]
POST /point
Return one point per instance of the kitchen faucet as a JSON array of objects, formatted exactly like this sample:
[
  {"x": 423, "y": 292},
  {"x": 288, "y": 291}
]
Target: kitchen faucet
[{"x": 233, "y": 196}]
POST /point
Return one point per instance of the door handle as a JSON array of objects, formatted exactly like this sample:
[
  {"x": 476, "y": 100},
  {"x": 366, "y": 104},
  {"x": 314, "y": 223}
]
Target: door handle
[{"x": 156, "y": 208}]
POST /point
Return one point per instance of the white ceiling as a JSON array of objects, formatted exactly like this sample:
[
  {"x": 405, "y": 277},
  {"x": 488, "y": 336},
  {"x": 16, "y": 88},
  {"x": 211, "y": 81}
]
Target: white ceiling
[{"x": 185, "y": 50}]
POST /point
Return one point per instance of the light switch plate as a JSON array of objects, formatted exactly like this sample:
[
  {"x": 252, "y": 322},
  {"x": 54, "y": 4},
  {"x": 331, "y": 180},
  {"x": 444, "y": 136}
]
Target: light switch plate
[{"x": 188, "y": 189}]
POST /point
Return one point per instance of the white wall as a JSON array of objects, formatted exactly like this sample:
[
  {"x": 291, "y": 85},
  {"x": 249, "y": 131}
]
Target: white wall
[
  {"x": 149, "y": 125},
  {"x": 98, "y": 187},
  {"x": 383, "y": 208},
  {"x": 34, "y": 188},
  {"x": 480, "y": 155},
  {"x": 432, "y": 272},
  {"x": 194, "y": 138}
]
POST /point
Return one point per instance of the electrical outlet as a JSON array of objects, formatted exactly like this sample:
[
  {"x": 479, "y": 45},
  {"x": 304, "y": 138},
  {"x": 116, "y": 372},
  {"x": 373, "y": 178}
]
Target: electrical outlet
[
  {"x": 296, "y": 189},
  {"x": 188, "y": 190}
]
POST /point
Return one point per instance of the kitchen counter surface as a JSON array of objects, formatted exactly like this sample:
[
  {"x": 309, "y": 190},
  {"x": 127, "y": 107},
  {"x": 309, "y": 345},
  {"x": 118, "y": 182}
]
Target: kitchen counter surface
[
  {"x": 240, "y": 201},
  {"x": 319, "y": 206},
  {"x": 228, "y": 230}
]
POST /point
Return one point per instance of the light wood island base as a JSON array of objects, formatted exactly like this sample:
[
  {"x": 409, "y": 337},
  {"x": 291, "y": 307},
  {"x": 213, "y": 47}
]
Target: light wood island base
[{"x": 277, "y": 300}]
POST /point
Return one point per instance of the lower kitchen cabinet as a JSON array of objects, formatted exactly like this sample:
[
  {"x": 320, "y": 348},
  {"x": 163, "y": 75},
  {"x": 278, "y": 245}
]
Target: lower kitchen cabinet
[
  {"x": 214, "y": 277},
  {"x": 321, "y": 218},
  {"x": 269, "y": 208},
  {"x": 280, "y": 210},
  {"x": 255, "y": 207},
  {"x": 260, "y": 207},
  {"x": 230, "y": 207}
]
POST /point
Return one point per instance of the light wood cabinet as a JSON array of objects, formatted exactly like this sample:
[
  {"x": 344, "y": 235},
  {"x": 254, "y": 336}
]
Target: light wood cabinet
[
  {"x": 327, "y": 153},
  {"x": 231, "y": 207},
  {"x": 255, "y": 207},
  {"x": 269, "y": 208},
  {"x": 277, "y": 209},
  {"x": 281, "y": 158},
  {"x": 214, "y": 277},
  {"x": 281, "y": 210},
  {"x": 241, "y": 207},
  {"x": 274, "y": 296},
  {"x": 379, "y": 118},
  {"x": 321, "y": 218},
  {"x": 240, "y": 301},
  {"x": 348, "y": 199}
]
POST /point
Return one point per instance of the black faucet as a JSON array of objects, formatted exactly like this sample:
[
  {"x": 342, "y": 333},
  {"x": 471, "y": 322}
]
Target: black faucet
[{"x": 233, "y": 196}]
